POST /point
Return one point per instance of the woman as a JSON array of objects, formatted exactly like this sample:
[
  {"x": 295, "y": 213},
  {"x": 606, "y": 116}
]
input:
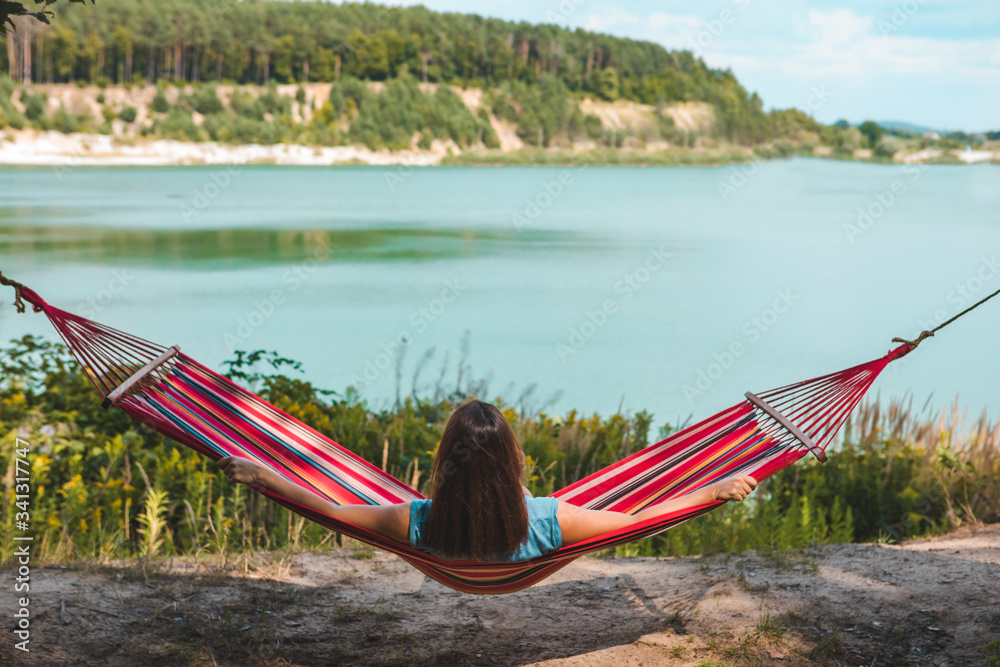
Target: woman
[{"x": 480, "y": 510}]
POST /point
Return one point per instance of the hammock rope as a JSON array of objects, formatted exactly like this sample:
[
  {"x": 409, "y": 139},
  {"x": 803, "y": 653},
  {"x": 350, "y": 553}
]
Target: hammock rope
[
  {"x": 927, "y": 334},
  {"x": 172, "y": 393}
]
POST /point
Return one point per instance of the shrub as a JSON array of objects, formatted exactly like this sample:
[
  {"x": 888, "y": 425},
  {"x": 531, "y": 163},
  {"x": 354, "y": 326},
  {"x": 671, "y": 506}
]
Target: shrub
[
  {"x": 888, "y": 146},
  {"x": 160, "y": 104},
  {"x": 851, "y": 139},
  {"x": 205, "y": 101},
  {"x": 34, "y": 104},
  {"x": 9, "y": 115},
  {"x": 63, "y": 121},
  {"x": 275, "y": 104},
  {"x": 177, "y": 124},
  {"x": 128, "y": 114}
]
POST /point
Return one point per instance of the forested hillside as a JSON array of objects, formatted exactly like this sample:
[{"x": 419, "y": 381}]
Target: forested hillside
[
  {"x": 320, "y": 74},
  {"x": 257, "y": 42}
]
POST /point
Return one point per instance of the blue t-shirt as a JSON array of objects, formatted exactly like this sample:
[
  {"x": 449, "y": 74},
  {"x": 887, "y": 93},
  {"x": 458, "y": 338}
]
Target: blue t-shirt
[{"x": 544, "y": 534}]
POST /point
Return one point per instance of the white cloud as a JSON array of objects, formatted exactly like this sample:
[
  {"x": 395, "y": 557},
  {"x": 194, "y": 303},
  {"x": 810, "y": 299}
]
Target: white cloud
[
  {"x": 658, "y": 21},
  {"x": 839, "y": 26},
  {"x": 871, "y": 63},
  {"x": 609, "y": 19}
]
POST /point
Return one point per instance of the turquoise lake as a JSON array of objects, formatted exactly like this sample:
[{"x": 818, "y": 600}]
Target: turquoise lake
[{"x": 673, "y": 290}]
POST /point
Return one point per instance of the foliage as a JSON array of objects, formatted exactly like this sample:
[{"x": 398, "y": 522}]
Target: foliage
[
  {"x": 159, "y": 103},
  {"x": 11, "y": 9},
  {"x": 391, "y": 118},
  {"x": 872, "y": 132},
  {"x": 259, "y": 42},
  {"x": 888, "y": 146},
  {"x": 543, "y": 112},
  {"x": 9, "y": 114},
  {"x": 105, "y": 487}
]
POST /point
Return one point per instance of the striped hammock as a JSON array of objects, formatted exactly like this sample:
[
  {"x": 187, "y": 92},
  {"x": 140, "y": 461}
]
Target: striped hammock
[{"x": 186, "y": 401}]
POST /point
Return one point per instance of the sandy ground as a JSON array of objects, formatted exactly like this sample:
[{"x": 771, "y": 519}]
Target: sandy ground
[{"x": 929, "y": 602}]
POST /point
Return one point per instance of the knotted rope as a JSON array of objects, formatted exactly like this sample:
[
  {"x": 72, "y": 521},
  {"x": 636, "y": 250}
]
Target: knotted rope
[
  {"x": 18, "y": 303},
  {"x": 927, "y": 334}
]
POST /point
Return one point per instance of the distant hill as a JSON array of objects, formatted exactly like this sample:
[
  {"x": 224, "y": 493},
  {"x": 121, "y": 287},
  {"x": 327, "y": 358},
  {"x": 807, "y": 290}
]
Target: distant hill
[
  {"x": 261, "y": 42},
  {"x": 906, "y": 127}
]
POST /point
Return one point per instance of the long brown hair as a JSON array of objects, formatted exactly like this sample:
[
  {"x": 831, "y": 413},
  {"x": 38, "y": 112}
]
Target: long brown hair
[{"x": 478, "y": 509}]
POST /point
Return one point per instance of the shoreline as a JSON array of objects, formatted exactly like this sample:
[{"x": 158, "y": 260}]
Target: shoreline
[{"x": 31, "y": 148}]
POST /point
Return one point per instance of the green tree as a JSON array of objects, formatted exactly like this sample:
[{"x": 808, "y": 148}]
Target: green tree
[
  {"x": 872, "y": 132},
  {"x": 606, "y": 84}
]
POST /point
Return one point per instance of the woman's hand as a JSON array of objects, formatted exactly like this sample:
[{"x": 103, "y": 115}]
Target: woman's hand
[
  {"x": 735, "y": 488},
  {"x": 243, "y": 471}
]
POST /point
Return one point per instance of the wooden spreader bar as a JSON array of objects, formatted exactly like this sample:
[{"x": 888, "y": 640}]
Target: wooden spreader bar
[
  {"x": 119, "y": 391},
  {"x": 796, "y": 432}
]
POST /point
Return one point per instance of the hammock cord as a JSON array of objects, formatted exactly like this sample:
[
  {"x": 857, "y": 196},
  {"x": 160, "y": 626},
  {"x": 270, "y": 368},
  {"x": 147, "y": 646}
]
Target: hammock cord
[
  {"x": 18, "y": 303},
  {"x": 927, "y": 334}
]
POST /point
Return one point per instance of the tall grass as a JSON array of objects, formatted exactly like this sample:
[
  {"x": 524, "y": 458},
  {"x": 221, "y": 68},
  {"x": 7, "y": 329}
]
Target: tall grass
[{"x": 105, "y": 488}]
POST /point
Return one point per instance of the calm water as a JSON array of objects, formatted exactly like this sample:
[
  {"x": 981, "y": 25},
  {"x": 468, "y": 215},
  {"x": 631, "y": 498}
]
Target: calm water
[{"x": 609, "y": 287}]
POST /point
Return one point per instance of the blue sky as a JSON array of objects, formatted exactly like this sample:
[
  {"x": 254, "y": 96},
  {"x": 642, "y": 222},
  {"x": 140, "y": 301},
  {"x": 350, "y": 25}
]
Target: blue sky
[{"x": 929, "y": 62}]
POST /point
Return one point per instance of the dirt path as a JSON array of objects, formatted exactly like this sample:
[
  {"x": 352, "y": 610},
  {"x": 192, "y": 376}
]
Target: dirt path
[{"x": 930, "y": 602}]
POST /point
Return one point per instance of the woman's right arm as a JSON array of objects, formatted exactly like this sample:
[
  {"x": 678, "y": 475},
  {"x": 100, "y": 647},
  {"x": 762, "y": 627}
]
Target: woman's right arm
[
  {"x": 392, "y": 521},
  {"x": 578, "y": 524}
]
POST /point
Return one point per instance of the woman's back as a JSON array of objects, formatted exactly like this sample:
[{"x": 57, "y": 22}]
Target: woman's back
[{"x": 544, "y": 533}]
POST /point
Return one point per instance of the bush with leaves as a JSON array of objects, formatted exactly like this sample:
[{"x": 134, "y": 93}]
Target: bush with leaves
[
  {"x": 160, "y": 104},
  {"x": 205, "y": 100}
]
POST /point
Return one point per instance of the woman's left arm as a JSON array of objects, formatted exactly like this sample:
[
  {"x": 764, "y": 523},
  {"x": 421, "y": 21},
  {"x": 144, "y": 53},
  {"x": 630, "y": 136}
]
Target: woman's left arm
[
  {"x": 392, "y": 521},
  {"x": 578, "y": 524}
]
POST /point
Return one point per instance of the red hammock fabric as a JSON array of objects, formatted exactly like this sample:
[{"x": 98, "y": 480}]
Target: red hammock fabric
[{"x": 193, "y": 405}]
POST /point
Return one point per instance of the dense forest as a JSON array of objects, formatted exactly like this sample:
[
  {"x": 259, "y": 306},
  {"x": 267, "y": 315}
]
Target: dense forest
[
  {"x": 258, "y": 41},
  {"x": 533, "y": 77}
]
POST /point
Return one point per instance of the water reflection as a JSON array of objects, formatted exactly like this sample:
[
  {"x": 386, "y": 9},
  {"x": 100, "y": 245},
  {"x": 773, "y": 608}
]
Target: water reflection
[{"x": 254, "y": 247}]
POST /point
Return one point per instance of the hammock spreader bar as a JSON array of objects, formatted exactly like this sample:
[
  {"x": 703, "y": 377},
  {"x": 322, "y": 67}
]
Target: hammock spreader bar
[
  {"x": 120, "y": 390},
  {"x": 813, "y": 448},
  {"x": 195, "y": 406}
]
